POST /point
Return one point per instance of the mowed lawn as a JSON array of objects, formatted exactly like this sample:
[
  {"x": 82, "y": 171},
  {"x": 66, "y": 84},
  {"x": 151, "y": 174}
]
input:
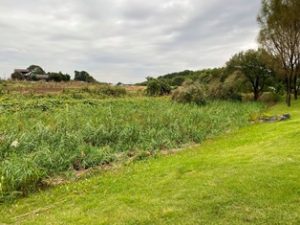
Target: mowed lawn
[{"x": 251, "y": 176}]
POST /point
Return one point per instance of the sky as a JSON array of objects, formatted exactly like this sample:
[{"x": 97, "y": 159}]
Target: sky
[{"x": 124, "y": 40}]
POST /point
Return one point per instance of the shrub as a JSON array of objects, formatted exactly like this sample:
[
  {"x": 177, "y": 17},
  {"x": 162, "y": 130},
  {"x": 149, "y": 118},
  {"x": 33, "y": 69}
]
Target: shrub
[
  {"x": 270, "y": 98},
  {"x": 58, "y": 77},
  {"x": 83, "y": 76},
  {"x": 190, "y": 93},
  {"x": 17, "y": 76},
  {"x": 157, "y": 87},
  {"x": 227, "y": 90},
  {"x": 112, "y": 91},
  {"x": 107, "y": 90}
]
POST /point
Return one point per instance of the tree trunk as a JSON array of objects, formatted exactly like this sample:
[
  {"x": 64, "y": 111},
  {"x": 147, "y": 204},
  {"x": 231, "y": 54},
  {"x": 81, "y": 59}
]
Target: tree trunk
[
  {"x": 255, "y": 88},
  {"x": 288, "y": 91},
  {"x": 256, "y": 95},
  {"x": 295, "y": 93},
  {"x": 295, "y": 87},
  {"x": 288, "y": 99}
]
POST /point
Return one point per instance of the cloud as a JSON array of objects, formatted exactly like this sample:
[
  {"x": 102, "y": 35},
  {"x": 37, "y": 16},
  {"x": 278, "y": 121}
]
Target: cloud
[{"x": 124, "y": 40}]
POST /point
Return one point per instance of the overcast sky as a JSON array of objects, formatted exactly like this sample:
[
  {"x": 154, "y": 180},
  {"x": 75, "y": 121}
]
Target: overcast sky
[{"x": 124, "y": 40}]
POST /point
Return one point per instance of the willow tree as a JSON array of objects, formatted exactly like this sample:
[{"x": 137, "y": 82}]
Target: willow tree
[{"x": 280, "y": 36}]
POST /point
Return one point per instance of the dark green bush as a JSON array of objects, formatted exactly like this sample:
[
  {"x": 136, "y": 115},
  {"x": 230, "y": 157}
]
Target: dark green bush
[
  {"x": 157, "y": 87},
  {"x": 17, "y": 76},
  {"x": 58, "y": 77},
  {"x": 83, "y": 76},
  {"x": 190, "y": 93}
]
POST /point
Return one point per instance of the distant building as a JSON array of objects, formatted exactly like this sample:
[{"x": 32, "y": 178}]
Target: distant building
[{"x": 25, "y": 74}]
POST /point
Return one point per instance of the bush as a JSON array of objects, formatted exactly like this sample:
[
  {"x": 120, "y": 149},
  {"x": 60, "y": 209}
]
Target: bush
[
  {"x": 83, "y": 76},
  {"x": 112, "y": 91},
  {"x": 190, "y": 93},
  {"x": 157, "y": 87},
  {"x": 227, "y": 90},
  {"x": 270, "y": 98},
  {"x": 17, "y": 76},
  {"x": 58, "y": 77},
  {"x": 107, "y": 90}
]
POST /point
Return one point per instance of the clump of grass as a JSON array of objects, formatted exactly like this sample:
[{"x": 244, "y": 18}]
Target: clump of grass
[
  {"x": 106, "y": 90},
  {"x": 43, "y": 137}
]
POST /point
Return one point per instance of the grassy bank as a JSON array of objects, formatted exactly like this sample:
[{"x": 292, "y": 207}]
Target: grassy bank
[
  {"x": 247, "y": 177},
  {"x": 42, "y": 137}
]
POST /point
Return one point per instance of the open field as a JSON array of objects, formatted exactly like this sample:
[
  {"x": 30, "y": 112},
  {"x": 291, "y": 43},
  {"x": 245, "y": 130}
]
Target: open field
[
  {"x": 247, "y": 177},
  {"x": 54, "y": 88},
  {"x": 43, "y": 137}
]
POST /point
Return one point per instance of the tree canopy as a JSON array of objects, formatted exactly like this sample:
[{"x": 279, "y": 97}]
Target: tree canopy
[
  {"x": 36, "y": 70},
  {"x": 252, "y": 65},
  {"x": 280, "y": 36},
  {"x": 83, "y": 76}
]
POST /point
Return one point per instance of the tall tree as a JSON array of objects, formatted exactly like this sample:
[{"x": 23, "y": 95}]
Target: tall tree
[
  {"x": 280, "y": 36},
  {"x": 252, "y": 65}
]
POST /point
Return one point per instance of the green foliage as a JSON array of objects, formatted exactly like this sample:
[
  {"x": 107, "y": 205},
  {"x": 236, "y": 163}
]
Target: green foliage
[
  {"x": 204, "y": 76},
  {"x": 280, "y": 36},
  {"x": 36, "y": 70},
  {"x": 19, "y": 175},
  {"x": 252, "y": 65},
  {"x": 46, "y": 136},
  {"x": 157, "y": 87},
  {"x": 83, "y": 76},
  {"x": 107, "y": 90},
  {"x": 17, "y": 76},
  {"x": 270, "y": 98},
  {"x": 229, "y": 89},
  {"x": 191, "y": 93},
  {"x": 249, "y": 177},
  {"x": 58, "y": 77}
]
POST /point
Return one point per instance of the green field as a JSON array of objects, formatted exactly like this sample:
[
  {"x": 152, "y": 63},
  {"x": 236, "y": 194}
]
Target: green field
[
  {"x": 45, "y": 137},
  {"x": 250, "y": 176}
]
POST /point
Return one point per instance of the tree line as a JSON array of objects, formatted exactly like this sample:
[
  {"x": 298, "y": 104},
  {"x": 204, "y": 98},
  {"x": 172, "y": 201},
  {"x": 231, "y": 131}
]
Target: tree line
[{"x": 35, "y": 72}]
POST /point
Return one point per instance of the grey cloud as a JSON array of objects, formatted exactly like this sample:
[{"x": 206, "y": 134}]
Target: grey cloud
[{"x": 124, "y": 40}]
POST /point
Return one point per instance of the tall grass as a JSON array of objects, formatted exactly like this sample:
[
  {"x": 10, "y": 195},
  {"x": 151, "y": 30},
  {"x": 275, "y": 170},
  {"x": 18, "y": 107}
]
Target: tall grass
[{"x": 42, "y": 137}]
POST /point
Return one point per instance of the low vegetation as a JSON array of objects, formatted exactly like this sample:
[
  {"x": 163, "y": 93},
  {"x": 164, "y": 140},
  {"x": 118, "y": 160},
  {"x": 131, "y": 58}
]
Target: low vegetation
[
  {"x": 53, "y": 129},
  {"x": 191, "y": 93},
  {"x": 156, "y": 87},
  {"x": 42, "y": 136},
  {"x": 246, "y": 177}
]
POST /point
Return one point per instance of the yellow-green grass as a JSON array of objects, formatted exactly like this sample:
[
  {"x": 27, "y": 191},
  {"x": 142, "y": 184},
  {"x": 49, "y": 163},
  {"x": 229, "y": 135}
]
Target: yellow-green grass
[{"x": 251, "y": 176}]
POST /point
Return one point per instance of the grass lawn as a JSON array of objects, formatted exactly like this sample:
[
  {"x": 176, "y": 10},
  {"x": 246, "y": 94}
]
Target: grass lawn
[{"x": 251, "y": 176}]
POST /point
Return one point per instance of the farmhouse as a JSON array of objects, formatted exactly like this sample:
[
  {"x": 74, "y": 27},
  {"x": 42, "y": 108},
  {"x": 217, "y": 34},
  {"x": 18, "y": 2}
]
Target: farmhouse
[
  {"x": 30, "y": 75},
  {"x": 23, "y": 72}
]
